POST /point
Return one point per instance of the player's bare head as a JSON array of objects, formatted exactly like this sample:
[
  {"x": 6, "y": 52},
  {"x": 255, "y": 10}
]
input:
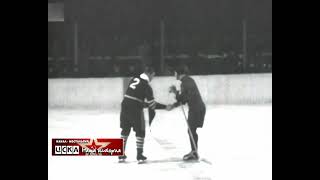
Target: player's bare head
[
  {"x": 149, "y": 71},
  {"x": 181, "y": 71}
]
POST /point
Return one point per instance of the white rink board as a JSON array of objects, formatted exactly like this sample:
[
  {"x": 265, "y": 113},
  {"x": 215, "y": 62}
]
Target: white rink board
[
  {"x": 108, "y": 92},
  {"x": 85, "y": 93}
]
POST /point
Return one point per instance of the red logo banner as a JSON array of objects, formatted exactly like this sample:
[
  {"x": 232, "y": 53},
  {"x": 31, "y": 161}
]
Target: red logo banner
[{"x": 87, "y": 147}]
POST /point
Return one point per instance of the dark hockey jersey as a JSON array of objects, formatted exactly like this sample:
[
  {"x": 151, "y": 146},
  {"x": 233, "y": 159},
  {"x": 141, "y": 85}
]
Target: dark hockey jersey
[
  {"x": 189, "y": 94},
  {"x": 140, "y": 90}
]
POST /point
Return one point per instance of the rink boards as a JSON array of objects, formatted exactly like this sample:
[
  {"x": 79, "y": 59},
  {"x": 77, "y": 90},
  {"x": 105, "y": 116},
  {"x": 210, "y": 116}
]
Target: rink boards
[{"x": 108, "y": 92}]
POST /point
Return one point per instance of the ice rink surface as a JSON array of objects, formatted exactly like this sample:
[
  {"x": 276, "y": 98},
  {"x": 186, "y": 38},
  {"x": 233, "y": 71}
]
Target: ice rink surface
[{"x": 234, "y": 144}]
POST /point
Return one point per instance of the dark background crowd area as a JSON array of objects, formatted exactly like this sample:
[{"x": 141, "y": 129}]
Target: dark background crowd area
[
  {"x": 105, "y": 67},
  {"x": 117, "y": 38}
]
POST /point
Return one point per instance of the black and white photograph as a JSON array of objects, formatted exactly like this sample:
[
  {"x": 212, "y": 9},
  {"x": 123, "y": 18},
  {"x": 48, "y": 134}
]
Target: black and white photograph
[{"x": 183, "y": 89}]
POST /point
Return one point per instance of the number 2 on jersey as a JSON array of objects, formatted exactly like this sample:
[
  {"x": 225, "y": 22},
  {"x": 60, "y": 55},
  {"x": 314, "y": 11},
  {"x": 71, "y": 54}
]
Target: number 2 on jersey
[{"x": 136, "y": 82}]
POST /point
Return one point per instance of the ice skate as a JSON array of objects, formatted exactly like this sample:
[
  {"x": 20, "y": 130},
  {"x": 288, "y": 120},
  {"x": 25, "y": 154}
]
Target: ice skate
[
  {"x": 141, "y": 158},
  {"x": 122, "y": 158},
  {"x": 193, "y": 155}
]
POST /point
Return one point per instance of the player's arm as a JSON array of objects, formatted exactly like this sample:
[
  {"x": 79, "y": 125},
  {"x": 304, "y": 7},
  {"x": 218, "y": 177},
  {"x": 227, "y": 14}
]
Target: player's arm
[
  {"x": 150, "y": 102},
  {"x": 181, "y": 97},
  {"x": 156, "y": 106}
]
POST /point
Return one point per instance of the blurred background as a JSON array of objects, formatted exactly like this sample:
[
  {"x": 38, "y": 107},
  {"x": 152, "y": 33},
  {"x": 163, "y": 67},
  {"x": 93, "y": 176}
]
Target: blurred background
[
  {"x": 95, "y": 45},
  {"x": 117, "y": 38}
]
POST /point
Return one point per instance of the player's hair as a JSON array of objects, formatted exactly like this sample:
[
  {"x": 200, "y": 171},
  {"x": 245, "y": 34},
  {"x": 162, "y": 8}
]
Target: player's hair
[
  {"x": 182, "y": 69},
  {"x": 149, "y": 70}
]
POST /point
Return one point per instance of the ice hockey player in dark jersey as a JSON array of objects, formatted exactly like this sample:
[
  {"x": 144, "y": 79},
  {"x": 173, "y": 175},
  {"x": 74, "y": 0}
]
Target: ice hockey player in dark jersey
[
  {"x": 190, "y": 94},
  {"x": 139, "y": 94}
]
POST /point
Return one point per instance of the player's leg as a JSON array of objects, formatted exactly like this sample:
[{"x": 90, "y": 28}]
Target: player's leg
[
  {"x": 199, "y": 124},
  {"x": 193, "y": 136},
  {"x": 140, "y": 135},
  {"x": 124, "y": 135},
  {"x": 125, "y": 125}
]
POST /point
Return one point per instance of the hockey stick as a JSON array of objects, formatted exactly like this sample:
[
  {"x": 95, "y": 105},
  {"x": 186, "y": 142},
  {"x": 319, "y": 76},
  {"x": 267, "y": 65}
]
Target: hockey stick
[
  {"x": 173, "y": 89},
  {"x": 190, "y": 133}
]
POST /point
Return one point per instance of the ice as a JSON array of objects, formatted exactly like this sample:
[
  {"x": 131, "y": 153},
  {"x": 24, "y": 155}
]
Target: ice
[{"x": 234, "y": 144}]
